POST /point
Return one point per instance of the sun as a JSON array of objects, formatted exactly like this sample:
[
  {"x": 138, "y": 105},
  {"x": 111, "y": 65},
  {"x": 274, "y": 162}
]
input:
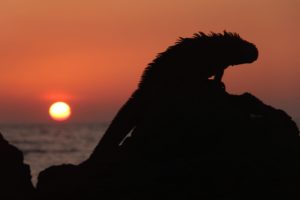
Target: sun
[{"x": 60, "y": 111}]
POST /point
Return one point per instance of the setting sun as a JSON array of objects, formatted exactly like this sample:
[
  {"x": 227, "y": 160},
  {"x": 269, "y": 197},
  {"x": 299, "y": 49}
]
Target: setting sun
[{"x": 60, "y": 111}]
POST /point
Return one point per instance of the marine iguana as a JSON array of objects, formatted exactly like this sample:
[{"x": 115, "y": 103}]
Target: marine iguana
[{"x": 190, "y": 59}]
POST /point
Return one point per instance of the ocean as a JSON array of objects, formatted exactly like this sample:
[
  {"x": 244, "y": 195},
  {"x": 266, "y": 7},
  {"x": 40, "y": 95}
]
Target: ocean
[{"x": 47, "y": 145}]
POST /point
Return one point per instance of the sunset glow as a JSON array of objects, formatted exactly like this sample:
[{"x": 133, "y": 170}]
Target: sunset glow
[
  {"x": 92, "y": 53},
  {"x": 60, "y": 111}
]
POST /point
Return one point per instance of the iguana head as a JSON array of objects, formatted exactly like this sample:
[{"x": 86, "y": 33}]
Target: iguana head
[{"x": 233, "y": 50}]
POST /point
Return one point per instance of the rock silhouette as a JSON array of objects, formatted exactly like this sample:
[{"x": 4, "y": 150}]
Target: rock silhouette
[
  {"x": 15, "y": 178},
  {"x": 214, "y": 145},
  {"x": 189, "y": 138}
]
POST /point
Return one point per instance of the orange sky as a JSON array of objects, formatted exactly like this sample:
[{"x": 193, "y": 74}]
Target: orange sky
[{"x": 91, "y": 53}]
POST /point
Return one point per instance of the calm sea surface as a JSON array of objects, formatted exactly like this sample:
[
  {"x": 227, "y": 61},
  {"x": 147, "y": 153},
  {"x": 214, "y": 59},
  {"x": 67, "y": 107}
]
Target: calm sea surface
[{"x": 46, "y": 145}]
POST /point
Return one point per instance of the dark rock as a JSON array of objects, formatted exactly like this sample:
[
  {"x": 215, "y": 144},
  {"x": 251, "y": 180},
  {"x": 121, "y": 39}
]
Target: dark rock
[
  {"x": 15, "y": 177},
  {"x": 209, "y": 144}
]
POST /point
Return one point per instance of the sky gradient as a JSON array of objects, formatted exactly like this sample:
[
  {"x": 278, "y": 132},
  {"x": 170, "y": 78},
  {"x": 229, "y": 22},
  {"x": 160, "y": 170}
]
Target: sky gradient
[{"x": 91, "y": 53}]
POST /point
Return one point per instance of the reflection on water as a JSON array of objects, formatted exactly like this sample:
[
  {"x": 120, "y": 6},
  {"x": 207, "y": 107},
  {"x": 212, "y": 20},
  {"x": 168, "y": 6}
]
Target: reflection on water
[{"x": 46, "y": 145}]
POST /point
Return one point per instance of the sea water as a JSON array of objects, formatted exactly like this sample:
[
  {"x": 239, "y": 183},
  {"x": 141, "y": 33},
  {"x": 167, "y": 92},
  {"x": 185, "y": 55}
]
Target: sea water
[{"x": 56, "y": 144}]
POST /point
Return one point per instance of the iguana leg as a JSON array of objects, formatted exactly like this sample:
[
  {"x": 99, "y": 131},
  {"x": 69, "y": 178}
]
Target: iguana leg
[
  {"x": 219, "y": 75},
  {"x": 218, "y": 78},
  {"x": 125, "y": 120}
]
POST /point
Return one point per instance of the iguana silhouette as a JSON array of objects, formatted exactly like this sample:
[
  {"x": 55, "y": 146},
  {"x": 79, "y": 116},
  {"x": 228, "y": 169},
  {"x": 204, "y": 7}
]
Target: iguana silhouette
[{"x": 191, "y": 60}]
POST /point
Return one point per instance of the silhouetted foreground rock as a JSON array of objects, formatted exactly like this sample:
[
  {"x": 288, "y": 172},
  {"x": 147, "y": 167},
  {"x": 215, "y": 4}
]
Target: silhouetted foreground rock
[
  {"x": 211, "y": 145},
  {"x": 15, "y": 178}
]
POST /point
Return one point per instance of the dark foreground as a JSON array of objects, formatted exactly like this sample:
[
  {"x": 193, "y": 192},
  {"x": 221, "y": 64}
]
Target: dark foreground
[{"x": 212, "y": 145}]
